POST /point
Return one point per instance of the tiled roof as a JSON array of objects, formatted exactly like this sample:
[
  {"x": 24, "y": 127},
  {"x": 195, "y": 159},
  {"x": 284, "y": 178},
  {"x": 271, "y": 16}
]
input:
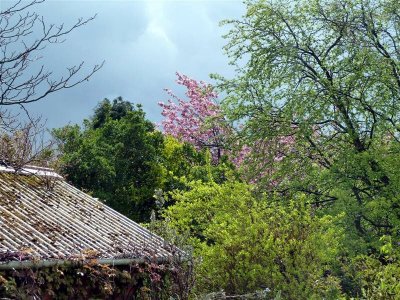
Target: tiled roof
[{"x": 44, "y": 217}]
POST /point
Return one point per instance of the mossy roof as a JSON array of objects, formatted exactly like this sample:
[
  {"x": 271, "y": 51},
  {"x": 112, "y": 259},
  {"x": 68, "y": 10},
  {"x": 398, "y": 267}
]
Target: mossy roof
[{"x": 43, "y": 217}]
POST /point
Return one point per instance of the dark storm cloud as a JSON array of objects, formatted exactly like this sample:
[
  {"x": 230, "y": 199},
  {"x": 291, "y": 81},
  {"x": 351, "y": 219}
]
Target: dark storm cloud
[{"x": 143, "y": 44}]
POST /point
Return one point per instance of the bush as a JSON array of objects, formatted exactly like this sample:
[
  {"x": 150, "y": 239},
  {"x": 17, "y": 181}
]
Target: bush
[{"x": 247, "y": 243}]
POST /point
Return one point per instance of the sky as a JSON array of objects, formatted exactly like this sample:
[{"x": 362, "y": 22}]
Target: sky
[{"x": 143, "y": 44}]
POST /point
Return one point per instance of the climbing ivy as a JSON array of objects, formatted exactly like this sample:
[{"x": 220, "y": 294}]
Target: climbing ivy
[{"x": 146, "y": 280}]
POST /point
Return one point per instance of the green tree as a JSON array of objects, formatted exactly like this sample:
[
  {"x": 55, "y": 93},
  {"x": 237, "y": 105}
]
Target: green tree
[
  {"x": 115, "y": 156},
  {"x": 107, "y": 110},
  {"x": 248, "y": 243},
  {"x": 326, "y": 73},
  {"x": 182, "y": 164}
]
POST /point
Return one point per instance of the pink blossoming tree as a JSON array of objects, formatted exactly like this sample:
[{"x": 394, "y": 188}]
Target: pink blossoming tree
[{"x": 197, "y": 120}]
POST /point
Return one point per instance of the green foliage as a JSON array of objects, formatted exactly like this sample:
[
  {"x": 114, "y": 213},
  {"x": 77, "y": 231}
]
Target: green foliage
[
  {"x": 247, "y": 243},
  {"x": 115, "y": 111},
  {"x": 375, "y": 276},
  {"x": 121, "y": 158},
  {"x": 325, "y": 73},
  {"x": 115, "y": 156},
  {"x": 182, "y": 163}
]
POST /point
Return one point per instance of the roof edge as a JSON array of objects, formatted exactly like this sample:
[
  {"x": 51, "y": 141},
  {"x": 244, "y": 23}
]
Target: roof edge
[
  {"x": 32, "y": 170},
  {"x": 57, "y": 262}
]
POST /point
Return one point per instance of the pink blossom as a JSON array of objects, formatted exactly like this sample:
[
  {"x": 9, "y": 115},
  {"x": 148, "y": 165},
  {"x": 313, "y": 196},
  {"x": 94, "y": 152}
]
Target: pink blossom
[
  {"x": 199, "y": 120},
  {"x": 196, "y": 120}
]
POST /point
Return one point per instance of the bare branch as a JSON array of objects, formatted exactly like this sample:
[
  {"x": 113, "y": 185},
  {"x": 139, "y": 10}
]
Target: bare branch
[{"x": 20, "y": 49}]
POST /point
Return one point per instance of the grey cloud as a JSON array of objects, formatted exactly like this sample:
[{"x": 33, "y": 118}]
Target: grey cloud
[{"x": 143, "y": 43}]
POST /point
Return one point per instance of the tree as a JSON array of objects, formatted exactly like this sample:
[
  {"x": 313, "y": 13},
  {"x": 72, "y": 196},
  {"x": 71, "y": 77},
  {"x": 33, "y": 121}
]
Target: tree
[
  {"x": 117, "y": 159},
  {"x": 326, "y": 73},
  {"x": 121, "y": 158},
  {"x": 182, "y": 164},
  {"x": 23, "y": 35},
  {"x": 247, "y": 245},
  {"x": 117, "y": 110},
  {"x": 25, "y": 145},
  {"x": 198, "y": 121}
]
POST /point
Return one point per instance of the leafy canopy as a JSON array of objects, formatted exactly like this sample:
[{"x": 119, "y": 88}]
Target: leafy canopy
[
  {"x": 326, "y": 73},
  {"x": 247, "y": 242},
  {"x": 115, "y": 156}
]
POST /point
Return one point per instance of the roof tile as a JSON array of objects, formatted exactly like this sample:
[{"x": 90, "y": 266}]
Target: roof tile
[{"x": 48, "y": 218}]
